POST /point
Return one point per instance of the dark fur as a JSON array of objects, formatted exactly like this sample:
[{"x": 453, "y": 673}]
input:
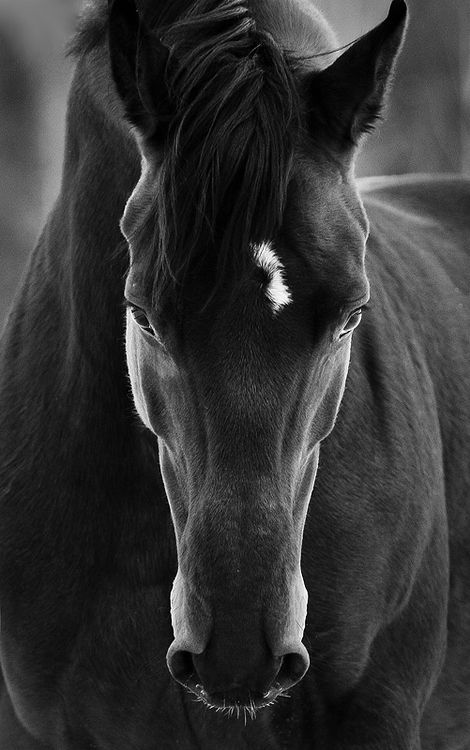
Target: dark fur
[{"x": 87, "y": 552}]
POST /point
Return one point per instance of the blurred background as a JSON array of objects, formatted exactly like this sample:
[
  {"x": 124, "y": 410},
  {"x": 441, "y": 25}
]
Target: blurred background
[{"x": 427, "y": 129}]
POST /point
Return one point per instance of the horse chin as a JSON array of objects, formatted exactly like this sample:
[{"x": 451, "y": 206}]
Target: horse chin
[{"x": 234, "y": 706}]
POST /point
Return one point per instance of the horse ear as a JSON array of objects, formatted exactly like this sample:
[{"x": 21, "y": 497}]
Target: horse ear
[
  {"x": 138, "y": 64},
  {"x": 347, "y": 98}
]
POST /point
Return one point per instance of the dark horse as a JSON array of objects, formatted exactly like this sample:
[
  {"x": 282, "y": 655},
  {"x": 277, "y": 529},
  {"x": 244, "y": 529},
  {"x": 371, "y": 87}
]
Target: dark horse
[{"x": 224, "y": 136}]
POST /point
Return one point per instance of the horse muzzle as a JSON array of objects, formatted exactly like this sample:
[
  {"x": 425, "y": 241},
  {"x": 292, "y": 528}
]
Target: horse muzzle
[
  {"x": 237, "y": 681},
  {"x": 238, "y": 627}
]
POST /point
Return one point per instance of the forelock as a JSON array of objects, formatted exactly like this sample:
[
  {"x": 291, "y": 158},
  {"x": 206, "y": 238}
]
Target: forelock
[{"x": 230, "y": 145}]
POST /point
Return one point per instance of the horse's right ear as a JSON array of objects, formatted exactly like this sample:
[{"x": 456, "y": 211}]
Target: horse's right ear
[{"x": 138, "y": 64}]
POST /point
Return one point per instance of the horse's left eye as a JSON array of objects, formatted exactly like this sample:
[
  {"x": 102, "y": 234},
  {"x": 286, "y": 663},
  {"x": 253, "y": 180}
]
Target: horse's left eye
[
  {"x": 352, "y": 322},
  {"x": 141, "y": 319}
]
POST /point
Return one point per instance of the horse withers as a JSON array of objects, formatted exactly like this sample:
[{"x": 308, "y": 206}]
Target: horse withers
[{"x": 264, "y": 510}]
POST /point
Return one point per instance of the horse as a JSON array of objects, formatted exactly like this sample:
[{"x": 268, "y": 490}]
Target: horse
[{"x": 234, "y": 446}]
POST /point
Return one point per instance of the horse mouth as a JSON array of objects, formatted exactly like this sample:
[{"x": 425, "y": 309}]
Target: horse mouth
[{"x": 233, "y": 706}]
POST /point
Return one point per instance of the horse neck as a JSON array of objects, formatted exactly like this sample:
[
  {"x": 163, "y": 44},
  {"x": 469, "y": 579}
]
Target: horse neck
[
  {"x": 65, "y": 403},
  {"x": 101, "y": 167}
]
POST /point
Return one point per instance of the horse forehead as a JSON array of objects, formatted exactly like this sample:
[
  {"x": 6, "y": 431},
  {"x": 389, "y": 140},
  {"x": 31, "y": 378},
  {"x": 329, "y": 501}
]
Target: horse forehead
[{"x": 324, "y": 211}]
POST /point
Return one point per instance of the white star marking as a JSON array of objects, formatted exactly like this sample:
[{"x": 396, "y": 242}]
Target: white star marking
[{"x": 277, "y": 290}]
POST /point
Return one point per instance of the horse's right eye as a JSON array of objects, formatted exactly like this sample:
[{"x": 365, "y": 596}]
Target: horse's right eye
[{"x": 142, "y": 320}]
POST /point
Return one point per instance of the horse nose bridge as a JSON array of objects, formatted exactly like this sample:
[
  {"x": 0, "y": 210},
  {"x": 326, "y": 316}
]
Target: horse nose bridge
[
  {"x": 251, "y": 555},
  {"x": 241, "y": 514},
  {"x": 235, "y": 595},
  {"x": 239, "y": 572}
]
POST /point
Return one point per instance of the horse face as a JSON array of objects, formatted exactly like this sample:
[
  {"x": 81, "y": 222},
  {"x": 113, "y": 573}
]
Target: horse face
[
  {"x": 242, "y": 377},
  {"x": 240, "y": 393}
]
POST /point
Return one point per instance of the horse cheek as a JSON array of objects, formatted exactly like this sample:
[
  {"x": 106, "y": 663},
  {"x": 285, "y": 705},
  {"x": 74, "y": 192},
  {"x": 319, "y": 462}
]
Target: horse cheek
[
  {"x": 133, "y": 354},
  {"x": 331, "y": 390}
]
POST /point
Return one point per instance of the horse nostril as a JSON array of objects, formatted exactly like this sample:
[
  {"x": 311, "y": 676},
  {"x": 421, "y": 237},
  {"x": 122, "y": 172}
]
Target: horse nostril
[
  {"x": 294, "y": 667},
  {"x": 181, "y": 666}
]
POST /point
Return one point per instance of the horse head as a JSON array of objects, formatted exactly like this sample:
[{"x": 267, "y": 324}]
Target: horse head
[{"x": 247, "y": 279}]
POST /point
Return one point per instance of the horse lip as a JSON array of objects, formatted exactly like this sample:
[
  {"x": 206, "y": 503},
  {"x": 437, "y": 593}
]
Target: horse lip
[{"x": 219, "y": 702}]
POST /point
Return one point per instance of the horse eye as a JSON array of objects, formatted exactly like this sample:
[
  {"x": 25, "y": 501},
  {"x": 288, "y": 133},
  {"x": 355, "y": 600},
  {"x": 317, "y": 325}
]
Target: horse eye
[
  {"x": 352, "y": 322},
  {"x": 141, "y": 319}
]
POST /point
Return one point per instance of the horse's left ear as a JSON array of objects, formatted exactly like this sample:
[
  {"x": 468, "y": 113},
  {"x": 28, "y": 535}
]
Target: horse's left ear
[
  {"x": 138, "y": 63},
  {"x": 346, "y": 99}
]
